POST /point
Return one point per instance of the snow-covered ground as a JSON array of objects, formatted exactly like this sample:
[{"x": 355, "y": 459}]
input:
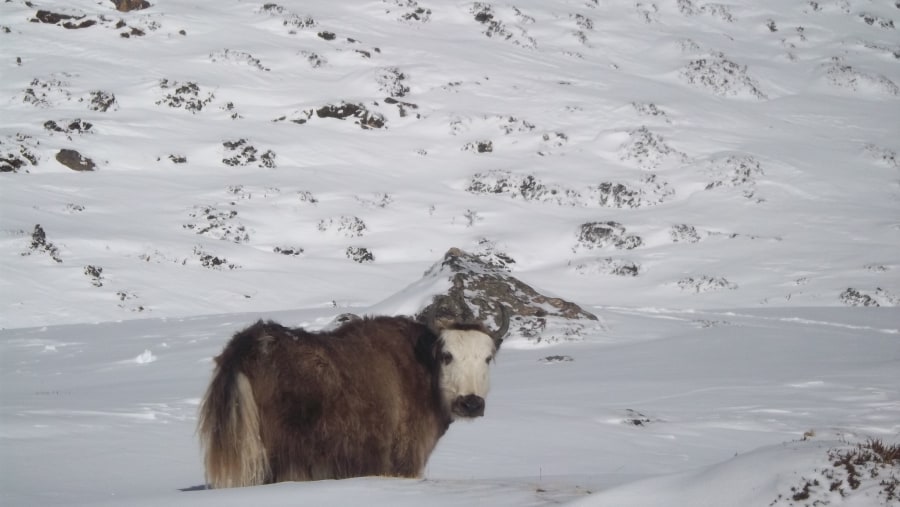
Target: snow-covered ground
[{"x": 718, "y": 182}]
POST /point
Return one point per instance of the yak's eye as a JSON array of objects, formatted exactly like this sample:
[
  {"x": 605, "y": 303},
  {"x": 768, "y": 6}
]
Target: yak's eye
[
  {"x": 489, "y": 359},
  {"x": 447, "y": 357}
]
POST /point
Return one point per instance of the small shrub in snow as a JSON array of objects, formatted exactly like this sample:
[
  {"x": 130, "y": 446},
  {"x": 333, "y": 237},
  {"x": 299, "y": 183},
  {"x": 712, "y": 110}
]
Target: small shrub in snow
[{"x": 869, "y": 472}]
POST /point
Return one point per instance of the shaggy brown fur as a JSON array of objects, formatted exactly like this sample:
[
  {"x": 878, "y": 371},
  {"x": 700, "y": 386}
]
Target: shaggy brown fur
[{"x": 290, "y": 405}]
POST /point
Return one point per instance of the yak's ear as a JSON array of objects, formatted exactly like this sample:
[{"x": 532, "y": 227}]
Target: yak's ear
[{"x": 429, "y": 346}]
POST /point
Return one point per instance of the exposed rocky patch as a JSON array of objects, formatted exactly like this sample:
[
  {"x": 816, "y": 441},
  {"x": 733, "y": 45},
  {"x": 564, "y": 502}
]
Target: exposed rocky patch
[
  {"x": 347, "y": 226},
  {"x": 40, "y": 244},
  {"x": 721, "y": 76},
  {"x": 237, "y": 57},
  {"x": 289, "y": 19},
  {"x": 684, "y": 233},
  {"x": 241, "y": 153},
  {"x": 210, "y": 261},
  {"x": 214, "y": 223},
  {"x": 608, "y": 266},
  {"x": 391, "y": 81},
  {"x": 497, "y": 28},
  {"x": 876, "y": 20},
  {"x": 648, "y": 191},
  {"x": 68, "y": 127},
  {"x": 95, "y": 273},
  {"x": 878, "y": 297},
  {"x": 648, "y": 149},
  {"x": 188, "y": 96},
  {"x": 599, "y": 235},
  {"x": 734, "y": 170},
  {"x": 47, "y": 92},
  {"x": 358, "y": 112},
  {"x": 68, "y": 21},
  {"x": 554, "y": 359},
  {"x": 650, "y": 109},
  {"x": 288, "y": 251},
  {"x": 478, "y": 287},
  {"x": 361, "y": 255},
  {"x": 842, "y": 75},
  {"x": 885, "y": 156},
  {"x": 705, "y": 283},
  {"x": 18, "y": 152}
]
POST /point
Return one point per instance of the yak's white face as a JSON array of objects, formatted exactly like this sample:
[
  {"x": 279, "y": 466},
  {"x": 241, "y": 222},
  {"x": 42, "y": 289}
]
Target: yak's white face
[{"x": 464, "y": 375}]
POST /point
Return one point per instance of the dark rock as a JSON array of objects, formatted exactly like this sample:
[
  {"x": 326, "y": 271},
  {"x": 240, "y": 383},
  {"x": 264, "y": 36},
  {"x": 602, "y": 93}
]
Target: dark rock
[
  {"x": 131, "y": 5},
  {"x": 74, "y": 160}
]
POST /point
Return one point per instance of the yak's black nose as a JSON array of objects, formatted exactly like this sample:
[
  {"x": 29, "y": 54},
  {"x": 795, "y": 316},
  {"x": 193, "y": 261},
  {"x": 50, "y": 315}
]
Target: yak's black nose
[{"x": 471, "y": 405}]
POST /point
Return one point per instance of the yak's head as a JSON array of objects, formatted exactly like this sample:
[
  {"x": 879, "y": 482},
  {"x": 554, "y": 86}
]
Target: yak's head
[{"x": 465, "y": 352}]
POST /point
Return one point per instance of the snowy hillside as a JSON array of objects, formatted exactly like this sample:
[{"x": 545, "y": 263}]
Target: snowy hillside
[{"x": 718, "y": 182}]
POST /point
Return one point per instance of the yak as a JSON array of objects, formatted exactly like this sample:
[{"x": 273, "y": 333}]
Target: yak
[{"x": 371, "y": 397}]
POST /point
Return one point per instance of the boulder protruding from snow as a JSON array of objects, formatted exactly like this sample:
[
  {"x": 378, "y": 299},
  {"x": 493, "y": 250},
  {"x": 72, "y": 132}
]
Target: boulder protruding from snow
[{"x": 478, "y": 287}]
